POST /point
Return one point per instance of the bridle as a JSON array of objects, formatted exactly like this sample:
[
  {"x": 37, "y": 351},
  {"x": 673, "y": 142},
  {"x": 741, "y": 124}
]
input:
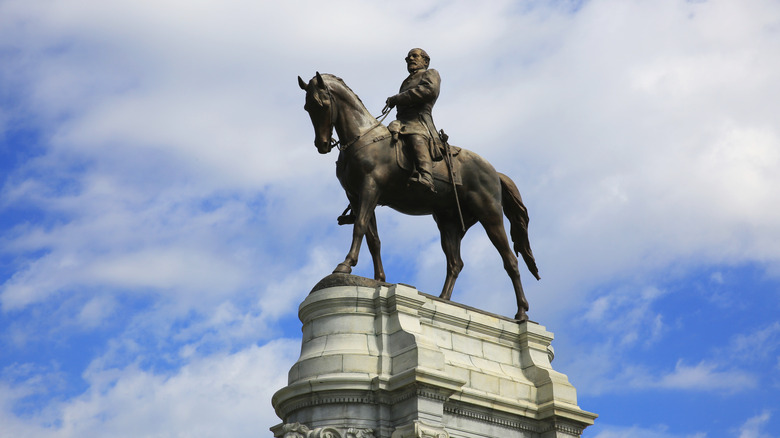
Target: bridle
[{"x": 331, "y": 142}]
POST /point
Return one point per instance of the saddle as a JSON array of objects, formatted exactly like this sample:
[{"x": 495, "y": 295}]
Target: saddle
[
  {"x": 439, "y": 171},
  {"x": 405, "y": 162}
]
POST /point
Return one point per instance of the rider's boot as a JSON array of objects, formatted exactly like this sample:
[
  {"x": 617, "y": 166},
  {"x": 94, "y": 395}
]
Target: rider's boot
[
  {"x": 426, "y": 178},
  {"x": 423, "y": 162}
]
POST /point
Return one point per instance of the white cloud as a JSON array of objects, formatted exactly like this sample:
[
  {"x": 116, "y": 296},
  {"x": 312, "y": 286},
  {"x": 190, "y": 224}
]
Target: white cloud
[
  {"x": 605, "y": 366},
  {"x": 626, "y": 316},
  {"x": 215, "y": 396},
  {"x": 762, "y": 342},
  {"x": 605, "y": 371},
  {"x": 96, "y": 311},
  {"x": 660, "y": 431},
  {"x": 754, "y": 427},
  {"x": 707, "y": 377}
]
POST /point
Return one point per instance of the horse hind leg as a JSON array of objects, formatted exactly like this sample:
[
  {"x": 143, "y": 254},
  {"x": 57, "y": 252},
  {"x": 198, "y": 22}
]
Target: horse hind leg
[{"x": 497, "y": 235}]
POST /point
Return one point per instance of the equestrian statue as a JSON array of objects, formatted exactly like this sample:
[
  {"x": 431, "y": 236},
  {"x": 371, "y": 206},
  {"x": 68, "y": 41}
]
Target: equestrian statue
[{"x": 410, "y": 167}]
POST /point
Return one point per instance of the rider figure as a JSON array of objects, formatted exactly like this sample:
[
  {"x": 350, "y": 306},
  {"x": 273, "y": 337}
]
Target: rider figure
[{"x": 414, "y": 122}]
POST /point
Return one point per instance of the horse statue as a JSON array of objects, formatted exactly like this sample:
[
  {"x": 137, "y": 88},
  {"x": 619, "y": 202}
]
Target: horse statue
[{"x": 369, "y": 170}]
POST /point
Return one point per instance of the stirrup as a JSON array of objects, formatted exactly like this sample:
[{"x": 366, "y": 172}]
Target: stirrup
[
  {"x": 347, "y": 217},
  {"x": 425, "y": 182}
]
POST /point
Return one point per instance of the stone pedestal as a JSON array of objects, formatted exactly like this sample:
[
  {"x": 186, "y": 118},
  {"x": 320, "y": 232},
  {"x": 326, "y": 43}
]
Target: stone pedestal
[{"x": 383, "y": 360}]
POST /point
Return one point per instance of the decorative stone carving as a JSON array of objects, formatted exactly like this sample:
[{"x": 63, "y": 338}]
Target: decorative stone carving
[
  {"x": 325, "y": 432},
  {"x": 360, "y": 433},
  {"x": 298, "y": 430},
  {"x": 295, "y": 430},
  {"x": 419, "y": 430}
]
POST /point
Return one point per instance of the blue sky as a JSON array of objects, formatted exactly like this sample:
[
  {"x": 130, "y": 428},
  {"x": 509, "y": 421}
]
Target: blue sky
[{"x": 163, "y": 210}]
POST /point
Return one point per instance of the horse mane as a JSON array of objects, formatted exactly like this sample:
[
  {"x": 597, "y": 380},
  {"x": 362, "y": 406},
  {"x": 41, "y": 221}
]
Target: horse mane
[{"x": 344, "y": 84}]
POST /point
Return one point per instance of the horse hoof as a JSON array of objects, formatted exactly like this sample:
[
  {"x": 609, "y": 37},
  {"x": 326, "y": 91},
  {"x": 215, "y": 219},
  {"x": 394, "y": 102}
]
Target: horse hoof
[
  {"x": 343, "y": 268},
  {"x": 521, "y": 317}
]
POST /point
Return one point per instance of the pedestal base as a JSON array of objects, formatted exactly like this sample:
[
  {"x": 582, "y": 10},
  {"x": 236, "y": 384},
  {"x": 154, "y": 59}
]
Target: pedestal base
[{"x": 383, "y": 360}]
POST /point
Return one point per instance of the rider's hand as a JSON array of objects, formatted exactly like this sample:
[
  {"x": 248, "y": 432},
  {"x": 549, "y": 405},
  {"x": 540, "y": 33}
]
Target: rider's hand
[{"x": 390, "y": 102}]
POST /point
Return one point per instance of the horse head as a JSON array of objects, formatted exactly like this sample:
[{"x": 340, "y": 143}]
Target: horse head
[{"x": 321, "y": 109}]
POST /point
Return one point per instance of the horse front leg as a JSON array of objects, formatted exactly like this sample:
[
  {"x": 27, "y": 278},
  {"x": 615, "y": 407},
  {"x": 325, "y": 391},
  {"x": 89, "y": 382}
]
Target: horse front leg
[{"x": 363, "y": 209}]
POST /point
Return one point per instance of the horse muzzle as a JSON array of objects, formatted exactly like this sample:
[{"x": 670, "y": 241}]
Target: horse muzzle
[{"x": 323, "y": 146}]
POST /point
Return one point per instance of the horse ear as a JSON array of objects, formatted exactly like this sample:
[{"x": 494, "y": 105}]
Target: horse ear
[
  {"x": 301, "y": 83},
  {"x": 320, "y": 81}
]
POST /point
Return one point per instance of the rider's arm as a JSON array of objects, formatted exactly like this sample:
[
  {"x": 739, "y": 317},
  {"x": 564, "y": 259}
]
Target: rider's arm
[{"x": 427, "y": 90}]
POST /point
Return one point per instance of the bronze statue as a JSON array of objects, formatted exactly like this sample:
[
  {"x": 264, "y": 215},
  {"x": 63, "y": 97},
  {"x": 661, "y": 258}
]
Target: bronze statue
[{"x": 373, "y": 170}]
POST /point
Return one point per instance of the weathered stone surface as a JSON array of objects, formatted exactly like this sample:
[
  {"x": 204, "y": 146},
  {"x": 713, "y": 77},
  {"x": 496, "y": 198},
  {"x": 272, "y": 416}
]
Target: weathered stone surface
[
  {"x": 340, "y": 280},
  {"x": 390, "y": 362}
]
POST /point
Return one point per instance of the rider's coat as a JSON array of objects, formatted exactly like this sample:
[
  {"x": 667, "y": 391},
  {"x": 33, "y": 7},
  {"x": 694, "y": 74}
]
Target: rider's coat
[{"x": 414, "y": 103}]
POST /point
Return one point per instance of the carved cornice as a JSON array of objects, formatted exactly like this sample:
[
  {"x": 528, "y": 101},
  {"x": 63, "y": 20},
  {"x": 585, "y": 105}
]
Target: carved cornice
[
  {"x": 486, "y": 417},
  {"x": 491, "y": 418},
  {"x": 421, "y": 391},
  {"x": 565, "y": 428},
  {"x": 373, "y": 398},
  {"x": 319, "y": 399}
]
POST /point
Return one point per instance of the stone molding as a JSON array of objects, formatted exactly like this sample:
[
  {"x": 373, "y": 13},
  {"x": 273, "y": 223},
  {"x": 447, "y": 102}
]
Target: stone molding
[
  {"x": 566, "y": 428},
  {"x": 534, "y": 427},
  {"x": 492, "y": 418},
  {"x": 326, "y": 399}
]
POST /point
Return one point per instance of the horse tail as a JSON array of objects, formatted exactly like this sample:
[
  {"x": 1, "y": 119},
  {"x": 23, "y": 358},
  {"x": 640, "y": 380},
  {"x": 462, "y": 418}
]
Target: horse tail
[{"x": 517, "y": 214}]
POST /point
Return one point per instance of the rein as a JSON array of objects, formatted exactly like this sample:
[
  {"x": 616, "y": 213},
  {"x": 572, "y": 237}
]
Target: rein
[{"x": 344, "y": 147}]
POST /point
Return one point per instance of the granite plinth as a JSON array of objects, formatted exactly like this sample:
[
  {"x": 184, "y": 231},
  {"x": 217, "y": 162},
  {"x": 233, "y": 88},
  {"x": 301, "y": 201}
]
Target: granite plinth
[{"x": 383, "y": 360}]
